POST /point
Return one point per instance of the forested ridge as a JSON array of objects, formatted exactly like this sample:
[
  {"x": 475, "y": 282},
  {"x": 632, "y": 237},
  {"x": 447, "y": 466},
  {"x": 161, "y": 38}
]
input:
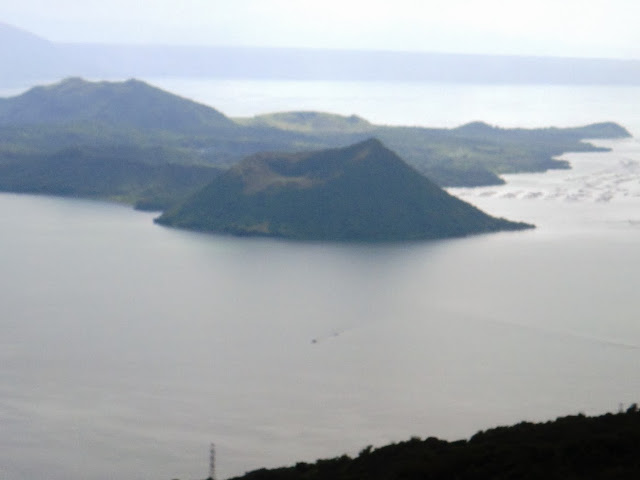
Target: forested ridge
[
  {"x": 574, "y": 447},
  {"x": 135, "y": 121}
]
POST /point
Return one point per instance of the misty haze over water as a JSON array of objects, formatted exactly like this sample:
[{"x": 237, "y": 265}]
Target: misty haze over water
[{"x": 127, "y": 348}]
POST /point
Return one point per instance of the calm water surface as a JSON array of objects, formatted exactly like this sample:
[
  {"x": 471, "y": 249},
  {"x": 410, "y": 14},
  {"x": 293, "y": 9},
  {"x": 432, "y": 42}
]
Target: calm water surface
[
  {"x": 127, "y": 348},
  {"x": 426, "y": 104}
]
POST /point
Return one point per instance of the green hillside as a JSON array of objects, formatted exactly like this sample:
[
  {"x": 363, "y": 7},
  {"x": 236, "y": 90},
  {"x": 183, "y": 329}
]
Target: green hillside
[
  {"x": 111, "y": 124},
  {"x": 471, "y": 155},
  {"x": 364, "y": 192},
  {"x": 309, "y": 122},
  {"x": 124, "y": 141},
  {"x": 119, "y": 174},
  {"x": 131, "y": 104}
]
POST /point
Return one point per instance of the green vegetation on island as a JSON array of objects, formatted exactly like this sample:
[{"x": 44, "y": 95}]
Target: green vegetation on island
[
  {"x": 570, "y": 448},
  {"x": 132, "y": 142},
  {"x": 131, "y": 104},
  {"x": 363, "y": 192},
  {"x": 472, "y": 155}
]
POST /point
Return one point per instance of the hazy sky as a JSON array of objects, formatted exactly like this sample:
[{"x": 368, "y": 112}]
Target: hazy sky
[{"x": 584, "y": 28}]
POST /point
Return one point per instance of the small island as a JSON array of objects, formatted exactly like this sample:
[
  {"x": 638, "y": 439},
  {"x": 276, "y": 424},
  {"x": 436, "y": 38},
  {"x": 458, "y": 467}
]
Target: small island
[{"x": 364, "y": 192}]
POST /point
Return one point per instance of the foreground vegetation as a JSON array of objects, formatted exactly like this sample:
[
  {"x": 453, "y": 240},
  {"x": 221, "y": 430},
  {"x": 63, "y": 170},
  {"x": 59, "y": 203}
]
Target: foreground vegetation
[{"x": 573, "y": 447}]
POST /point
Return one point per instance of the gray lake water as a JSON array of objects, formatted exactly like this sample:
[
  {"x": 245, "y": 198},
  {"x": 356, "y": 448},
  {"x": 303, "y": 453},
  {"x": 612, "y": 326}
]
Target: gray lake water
[{"x": 127, "y": 348}]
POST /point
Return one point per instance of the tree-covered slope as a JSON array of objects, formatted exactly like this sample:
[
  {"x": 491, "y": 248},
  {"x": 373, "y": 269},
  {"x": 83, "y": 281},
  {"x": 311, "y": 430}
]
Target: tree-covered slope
[
  {"x": 570, "y": 448},
  {"x": 364, "y": 192},
  {"x": 131, "y": 104},
  {"x": 309, "y": 122},
  {"x": 119, "y": 173},
  {"x": 125, "y": 141},
  {"x": 112, "y": 124},
  {"x": 471, "y": 155}
]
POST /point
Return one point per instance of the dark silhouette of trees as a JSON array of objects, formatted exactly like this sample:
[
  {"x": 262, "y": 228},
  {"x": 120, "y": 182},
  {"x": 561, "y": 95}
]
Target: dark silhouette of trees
[{"x": 569, "y": 448}]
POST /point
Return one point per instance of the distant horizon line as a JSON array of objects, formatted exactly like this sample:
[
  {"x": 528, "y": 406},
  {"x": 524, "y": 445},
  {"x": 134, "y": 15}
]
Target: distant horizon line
[
  {"x": 49, "y": 59},
  {"x": 343, "y": 50},
  {"x": 408, "y": 52}
]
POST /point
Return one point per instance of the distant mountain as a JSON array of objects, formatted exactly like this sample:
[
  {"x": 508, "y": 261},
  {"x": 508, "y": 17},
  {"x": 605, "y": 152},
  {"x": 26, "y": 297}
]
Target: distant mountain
[
  {"x": 130, "y": 104},
  {"x": 318, "y": 123},
  {"x": 364, "y": 192},
  {"x": 27, "y": 58},
  {"x": 549, "y": 134},
  {"x": 15, "y": 41},
  {"x": 125, "y": 141}
]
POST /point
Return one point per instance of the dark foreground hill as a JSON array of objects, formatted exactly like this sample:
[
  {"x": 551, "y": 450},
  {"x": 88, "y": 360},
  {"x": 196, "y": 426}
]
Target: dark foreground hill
[
  {"x": 364, "y": 192},
  {"x": 569, "y": 448}
]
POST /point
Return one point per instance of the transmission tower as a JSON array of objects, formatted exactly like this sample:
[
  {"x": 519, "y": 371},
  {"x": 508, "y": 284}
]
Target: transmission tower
[{"x": 212, "y": 462}]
